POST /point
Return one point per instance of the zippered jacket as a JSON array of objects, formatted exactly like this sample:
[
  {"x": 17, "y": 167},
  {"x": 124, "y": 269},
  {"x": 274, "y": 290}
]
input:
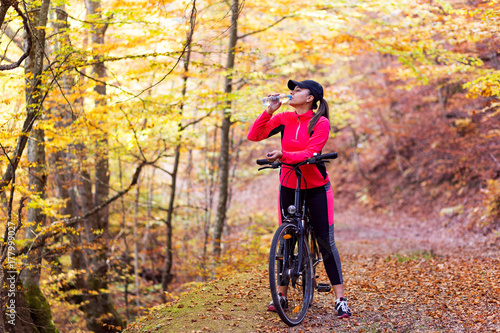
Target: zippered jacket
[{"x": 296, "y": 144}]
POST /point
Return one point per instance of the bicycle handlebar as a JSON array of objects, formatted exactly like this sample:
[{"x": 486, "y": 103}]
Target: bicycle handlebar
[
  {"x": 327, "y": 156},
  {"x": 313, "y": 160},
  {"x": 263, "y": 162}
]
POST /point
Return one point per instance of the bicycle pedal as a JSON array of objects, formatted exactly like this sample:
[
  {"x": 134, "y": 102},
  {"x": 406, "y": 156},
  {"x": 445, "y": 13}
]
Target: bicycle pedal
[{"x": 324, "y": 287}]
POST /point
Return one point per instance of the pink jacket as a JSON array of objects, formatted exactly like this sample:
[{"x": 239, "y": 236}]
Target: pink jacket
[{"x": 296, "y": 144}]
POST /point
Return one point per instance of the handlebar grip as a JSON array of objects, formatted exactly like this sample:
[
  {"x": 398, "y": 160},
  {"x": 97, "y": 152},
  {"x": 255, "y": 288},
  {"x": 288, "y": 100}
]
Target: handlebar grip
[
  {"x": 328, "y": 156},
  {"x": 263, "y": 162}
]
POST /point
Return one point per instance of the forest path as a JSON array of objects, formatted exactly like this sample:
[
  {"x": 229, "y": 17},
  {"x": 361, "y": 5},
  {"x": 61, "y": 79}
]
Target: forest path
[{"x": 401, "y": 275}]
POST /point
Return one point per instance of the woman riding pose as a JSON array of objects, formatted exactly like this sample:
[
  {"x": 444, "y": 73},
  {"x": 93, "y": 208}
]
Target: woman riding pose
[{"x": 303, "y": 134}]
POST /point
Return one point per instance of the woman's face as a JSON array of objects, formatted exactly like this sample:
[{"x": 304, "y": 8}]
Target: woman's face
[{"x": 300, "y": 96}]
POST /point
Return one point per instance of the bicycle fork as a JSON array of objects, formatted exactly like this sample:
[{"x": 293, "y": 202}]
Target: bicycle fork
[{"x": 290, "y": 273}]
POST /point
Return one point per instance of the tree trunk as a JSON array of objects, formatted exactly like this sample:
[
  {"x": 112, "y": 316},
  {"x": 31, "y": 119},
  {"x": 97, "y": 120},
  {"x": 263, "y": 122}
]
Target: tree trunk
[
  {"x": 224, "y": 159},
  {"x": 126, "y": 253},
  {"x": 61, "y": 160},
  {"x": 167, "y": 269},
  {"x": 166, "y": 276},
  {"x": 136, "y": 246},
  {"x": 210, "y": 184},
  {"x": 4, "y": 8},
  {"x": 101, "y": 315},
  {"x": 38, "y": 306}
]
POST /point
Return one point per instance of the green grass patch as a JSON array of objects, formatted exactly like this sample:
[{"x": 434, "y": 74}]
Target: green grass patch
[
  {"x": 418, "y": 255},
  {"x": 235, "y": 303}
]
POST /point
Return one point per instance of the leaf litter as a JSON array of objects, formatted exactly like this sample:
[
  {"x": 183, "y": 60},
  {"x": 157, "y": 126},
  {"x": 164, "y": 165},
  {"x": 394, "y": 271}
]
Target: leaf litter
[{"x": 394, "y": 282}]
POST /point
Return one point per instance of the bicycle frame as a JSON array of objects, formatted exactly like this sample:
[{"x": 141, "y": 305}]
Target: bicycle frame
[
  {"x": 301, "y": 220},
  {"x": 299, "y": 217}
]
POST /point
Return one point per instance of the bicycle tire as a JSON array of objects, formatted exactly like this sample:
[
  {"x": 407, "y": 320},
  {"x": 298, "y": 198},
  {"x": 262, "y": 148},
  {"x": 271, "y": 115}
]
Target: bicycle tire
[
  {"x": 314, "y": 255},
  {"x": 283, "y": 261}
]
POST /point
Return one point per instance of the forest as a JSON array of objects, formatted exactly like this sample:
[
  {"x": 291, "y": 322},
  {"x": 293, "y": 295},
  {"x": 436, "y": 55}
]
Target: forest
[{"x": 126, "y": 173}]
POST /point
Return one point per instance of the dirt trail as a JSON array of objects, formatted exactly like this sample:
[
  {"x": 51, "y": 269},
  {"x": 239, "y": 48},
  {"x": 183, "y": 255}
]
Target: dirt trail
[
  {"x": 407, "y": 275},
  {"x": 401, "y": 275},
  {"x": 364, "y": 232}
]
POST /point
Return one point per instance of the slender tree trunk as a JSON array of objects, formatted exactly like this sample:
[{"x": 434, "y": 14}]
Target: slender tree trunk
[
  {"x": 224, "y": 159},
  {"x": 167, "y": 269},
  {"x": 126, "y": 253},
  {"x": 61, "y": 160},
  {"x": 151, "y": 236},
  {"x": 136, "y": 246},
  {"x": 209, "y": 193},
  {"x": 166, "y": 274},
  {"x": 101, "y": 315},
  {"x": 38, "y": 306}
]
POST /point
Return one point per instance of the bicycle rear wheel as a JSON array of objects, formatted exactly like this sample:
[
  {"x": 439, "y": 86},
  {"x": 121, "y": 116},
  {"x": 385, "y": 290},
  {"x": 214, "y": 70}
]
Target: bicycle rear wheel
[{"x": 287, "y": 277}]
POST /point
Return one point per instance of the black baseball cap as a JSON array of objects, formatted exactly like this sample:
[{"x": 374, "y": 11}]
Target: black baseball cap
[{"x": 314, "y": 87}]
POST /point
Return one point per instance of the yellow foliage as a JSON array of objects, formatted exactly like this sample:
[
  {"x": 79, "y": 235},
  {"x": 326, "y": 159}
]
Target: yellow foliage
[
  {"x": 155, "y": 99},
  {"x": 490, "y": 214}
]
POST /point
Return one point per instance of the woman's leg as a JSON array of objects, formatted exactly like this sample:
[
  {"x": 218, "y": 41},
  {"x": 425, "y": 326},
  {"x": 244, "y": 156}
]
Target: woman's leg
[{"x": 320, "y": 203}]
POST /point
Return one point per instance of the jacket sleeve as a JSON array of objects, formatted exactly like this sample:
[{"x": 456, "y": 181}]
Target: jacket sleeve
[
  {"x": 264, "y": 127},
  {"x": 315, "y": 144}
]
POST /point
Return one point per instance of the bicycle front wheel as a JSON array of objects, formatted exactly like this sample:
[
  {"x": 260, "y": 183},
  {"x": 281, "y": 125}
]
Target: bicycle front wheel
[
  {"x": 287, "y": 278},
  {"x": 314, "y": 255}
]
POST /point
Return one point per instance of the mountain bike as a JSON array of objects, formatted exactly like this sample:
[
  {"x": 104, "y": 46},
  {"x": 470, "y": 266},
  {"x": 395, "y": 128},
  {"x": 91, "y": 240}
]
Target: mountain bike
[{"x": 294, "y": 253}]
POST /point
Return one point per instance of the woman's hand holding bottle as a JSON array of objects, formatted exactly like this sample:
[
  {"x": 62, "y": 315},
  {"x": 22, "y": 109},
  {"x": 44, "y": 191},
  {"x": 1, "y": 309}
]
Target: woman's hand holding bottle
[
  {"x": 273, "y": 105},
  {"x": 274, "y": 101}
]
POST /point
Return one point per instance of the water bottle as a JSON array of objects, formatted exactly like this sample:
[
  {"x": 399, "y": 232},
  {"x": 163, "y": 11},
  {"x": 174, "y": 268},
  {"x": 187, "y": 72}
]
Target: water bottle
[{"x": 283, "y": 98}]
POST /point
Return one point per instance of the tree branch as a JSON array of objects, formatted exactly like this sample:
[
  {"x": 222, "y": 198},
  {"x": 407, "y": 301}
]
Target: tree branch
[
  {"x": 21, "y": 144},
  {"x": 194, "y": 122},
  {"x": 264, "y": 29},
  {"x": 29, "y": 38},
  {"x": 192, "y": 22},
  {"x": 162, "y": 169},
  {"x": 7, "y": 59},
  {"x": 12, "y": 35},
  {"x": 40, "y": 238}
]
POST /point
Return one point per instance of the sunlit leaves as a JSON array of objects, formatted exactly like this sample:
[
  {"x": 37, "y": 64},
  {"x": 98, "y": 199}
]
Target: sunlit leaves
[
  {"x": 487, "y": 85},
  {"x": 489, "y": 213},
  {"x": 153, "y": 103}
]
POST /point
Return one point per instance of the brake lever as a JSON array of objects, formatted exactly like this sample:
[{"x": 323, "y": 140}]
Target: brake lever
[
  {"x": 276, "y": 164},
  {"x": 313, "y": 160}
]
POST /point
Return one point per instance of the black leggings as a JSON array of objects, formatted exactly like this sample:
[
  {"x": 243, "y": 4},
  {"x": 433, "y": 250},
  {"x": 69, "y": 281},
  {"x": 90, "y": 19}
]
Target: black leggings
[{"x": 319, "y": 200}]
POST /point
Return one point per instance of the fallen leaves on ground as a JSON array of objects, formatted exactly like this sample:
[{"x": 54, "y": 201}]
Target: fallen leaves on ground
[
  {"x": 414, "y": 293},
  {"x": 411, "y": 294}
]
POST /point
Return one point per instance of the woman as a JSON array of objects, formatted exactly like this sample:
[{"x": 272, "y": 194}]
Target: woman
[{"x": 304, "y": 133}]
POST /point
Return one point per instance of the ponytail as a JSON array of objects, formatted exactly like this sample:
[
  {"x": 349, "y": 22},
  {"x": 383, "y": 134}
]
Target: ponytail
[{"x": 323, "y": 111}]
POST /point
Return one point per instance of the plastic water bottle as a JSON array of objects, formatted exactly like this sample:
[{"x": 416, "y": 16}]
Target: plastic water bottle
[{"x": 283, "y": 98}]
